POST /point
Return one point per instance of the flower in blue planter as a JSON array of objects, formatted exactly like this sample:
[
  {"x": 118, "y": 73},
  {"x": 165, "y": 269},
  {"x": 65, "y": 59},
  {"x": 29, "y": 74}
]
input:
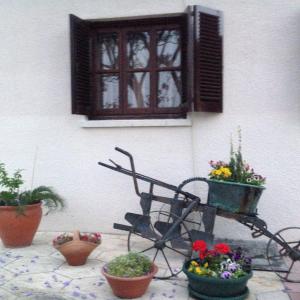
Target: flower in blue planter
[{"x": 226, "y": 275}]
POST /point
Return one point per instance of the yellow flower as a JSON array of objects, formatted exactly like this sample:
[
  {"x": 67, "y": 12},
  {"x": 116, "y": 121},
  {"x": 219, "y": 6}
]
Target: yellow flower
[
  {"x": 198, "y": 270},
  {"x": 226, "y": 172},
  {"x": 206, "y": 265},
  {"x": 218, "y": 172}
]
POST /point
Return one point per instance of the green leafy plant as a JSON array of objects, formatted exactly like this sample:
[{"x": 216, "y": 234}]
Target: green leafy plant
[
  {"x": 129, "y": 265},
  {"x": 11, "y": 195},
  {"x": 237, "y": 170}
]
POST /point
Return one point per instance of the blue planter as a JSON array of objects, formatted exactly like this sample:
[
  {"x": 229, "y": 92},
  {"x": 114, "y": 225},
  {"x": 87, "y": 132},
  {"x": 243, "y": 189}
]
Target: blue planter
[
  {"x": 234, "y": 197},
  {"x": 210, "y": 288}
]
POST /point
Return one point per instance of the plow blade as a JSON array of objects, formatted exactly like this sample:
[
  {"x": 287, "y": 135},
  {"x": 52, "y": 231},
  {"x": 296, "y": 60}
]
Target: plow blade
[
  {"x": 176, "y": 240},
  {"x": 141, "y": 224}
]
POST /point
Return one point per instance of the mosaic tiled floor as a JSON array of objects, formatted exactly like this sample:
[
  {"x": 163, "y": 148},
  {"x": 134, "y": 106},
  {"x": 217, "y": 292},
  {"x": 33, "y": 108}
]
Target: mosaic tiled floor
[{"x": 40, "y": 272}]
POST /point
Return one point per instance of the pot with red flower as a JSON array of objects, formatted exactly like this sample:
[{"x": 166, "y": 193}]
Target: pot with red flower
[
  {"x": 77, "y": 247},
  {"x": 218, "y": 272}
]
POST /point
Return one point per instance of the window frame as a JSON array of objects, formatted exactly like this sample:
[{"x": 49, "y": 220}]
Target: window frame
[
  {"x": 122, "y": 27},
  {"x": 202, "y": 82}
]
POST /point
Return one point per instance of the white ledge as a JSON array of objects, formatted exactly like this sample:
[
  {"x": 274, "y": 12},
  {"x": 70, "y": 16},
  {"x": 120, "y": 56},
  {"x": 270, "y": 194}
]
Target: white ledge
[{"x": 136, "y": 123}]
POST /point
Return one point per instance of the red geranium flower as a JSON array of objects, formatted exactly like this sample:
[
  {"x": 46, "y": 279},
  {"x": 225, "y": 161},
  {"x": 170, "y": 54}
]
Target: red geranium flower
[
  {"x": 199, "y": 246},
  {"x": 222, "y": 248}
]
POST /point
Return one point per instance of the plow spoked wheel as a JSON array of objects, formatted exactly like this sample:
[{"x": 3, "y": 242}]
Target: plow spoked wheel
[
  {"x": 289, "y": 252},
  {"x": 169, "y": 256}
]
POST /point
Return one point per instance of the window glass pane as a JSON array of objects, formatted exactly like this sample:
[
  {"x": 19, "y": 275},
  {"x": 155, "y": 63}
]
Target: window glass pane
[
  {"x": 109, "y": 50},
  {"x": 169, "y": 89},
  {"x": 168, "y": 48},
  {"x": 138, "y": 54},
  {"x": 138, "y": 90},
  {"x": 109, "y": 90}
]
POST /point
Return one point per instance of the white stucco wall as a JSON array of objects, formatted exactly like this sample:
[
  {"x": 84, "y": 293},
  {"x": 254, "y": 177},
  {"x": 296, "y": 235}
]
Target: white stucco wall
[{"x": 261, "y": 94}]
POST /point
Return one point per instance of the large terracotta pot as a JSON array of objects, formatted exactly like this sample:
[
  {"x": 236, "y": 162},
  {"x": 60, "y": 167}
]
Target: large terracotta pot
[
  {"x": 76, "y": 251},
  {"x": 130, "y": 287},
  {"x": 17, "y": 229}
]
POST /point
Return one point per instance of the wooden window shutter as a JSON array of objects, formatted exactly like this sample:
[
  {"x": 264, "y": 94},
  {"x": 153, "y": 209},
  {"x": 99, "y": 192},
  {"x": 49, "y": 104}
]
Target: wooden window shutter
[
  {"x": 80, "y": 66},
  {"x": 208, "y": 60}
]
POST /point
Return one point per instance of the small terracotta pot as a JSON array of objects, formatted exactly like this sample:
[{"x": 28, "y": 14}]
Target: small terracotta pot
[
  {"x": 76, "y": 251},
  {"x": 18, "y": 229},
  {"x": 130, "y": 287}
]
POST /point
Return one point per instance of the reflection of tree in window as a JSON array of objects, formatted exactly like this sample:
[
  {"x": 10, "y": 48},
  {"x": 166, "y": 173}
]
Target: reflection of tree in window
[
  {"x": 169, "y": 91},
  {"x": 139, "y": 89},
  {"x": 109, "y": 51},
  {"x": 110, "y": 92},
  {"x": 138, "y": 49},
  {"x": 168, "y": 48},
  {"x": 169, "y": 55},
  {"x": 138, "y": 54}
]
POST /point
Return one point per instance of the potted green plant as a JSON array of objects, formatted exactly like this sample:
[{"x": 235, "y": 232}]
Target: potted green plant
[
  {"x": 77, "y": 247},
  {"x": 234, "y": 186},
  {"x": 218, "y": 273},
  {"x": 129, "y": 275},
  {"x": 21, "y": 211}
]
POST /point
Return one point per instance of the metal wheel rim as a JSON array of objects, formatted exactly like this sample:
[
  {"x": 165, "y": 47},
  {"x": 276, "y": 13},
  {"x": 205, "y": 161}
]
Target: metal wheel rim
[
  {"x": 279, "y": 274},
  {"x": 185, "y": 228}
]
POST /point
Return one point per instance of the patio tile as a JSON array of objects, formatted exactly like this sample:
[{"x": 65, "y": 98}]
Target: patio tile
[
  {"x": 263, "y": 282},
  {"x": 159, "y": 290},
  {"x": 37, "y": 264},
  {"x": 88, "y": 288},
  {"x": 31, "y": 285},
  {"x": 5, "y": 276},
  {"x": 5, "y": 295},
  {"x": 6, "y": 258},
  {"x": 32, "y": 251},
  {"x": 294, "y": 296},
  {"x": 112, "y": 244},
  {"x": 292, "y": 287},
  {"x": 108, "y": 255},
  {"x": 272, "y": 296},
  {"x": 91, "y": 269}
]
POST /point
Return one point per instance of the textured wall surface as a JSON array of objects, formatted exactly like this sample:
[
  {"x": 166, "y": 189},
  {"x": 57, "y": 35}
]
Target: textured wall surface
[{"x": 261, "y": 94}]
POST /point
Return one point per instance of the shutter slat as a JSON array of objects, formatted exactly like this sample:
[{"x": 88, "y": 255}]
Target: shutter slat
[
  {"x": 80, "y": 66},
  {"x": 208, "y": 60}
]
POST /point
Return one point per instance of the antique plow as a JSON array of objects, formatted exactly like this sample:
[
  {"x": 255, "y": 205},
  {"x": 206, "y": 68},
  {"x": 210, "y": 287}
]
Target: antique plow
[{"x": 166, "y": 234}]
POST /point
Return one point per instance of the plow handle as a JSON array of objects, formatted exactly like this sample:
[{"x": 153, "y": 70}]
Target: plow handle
[{"x": 132, "y": 168}]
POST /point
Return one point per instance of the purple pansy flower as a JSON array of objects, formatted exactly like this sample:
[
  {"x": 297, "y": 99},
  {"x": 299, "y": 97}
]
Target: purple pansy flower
[
  {"x": 226, "y": 275},
  {"x": 233, "y": 267}
]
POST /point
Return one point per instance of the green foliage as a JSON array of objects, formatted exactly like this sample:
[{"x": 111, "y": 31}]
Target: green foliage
[
  {"x": 11, "y": 195},
  {"x": 129, "y": 265}
]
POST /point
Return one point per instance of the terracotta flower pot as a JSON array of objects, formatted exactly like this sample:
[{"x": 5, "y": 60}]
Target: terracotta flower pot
[
  {"x": 76, "y": 251},
  {"x": 17, "y": 229},
  {"x": 130, "y": 287}
]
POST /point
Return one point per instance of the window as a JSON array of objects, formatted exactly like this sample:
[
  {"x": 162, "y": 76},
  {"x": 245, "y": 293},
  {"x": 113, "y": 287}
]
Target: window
[{"x": 151, "y": 67}]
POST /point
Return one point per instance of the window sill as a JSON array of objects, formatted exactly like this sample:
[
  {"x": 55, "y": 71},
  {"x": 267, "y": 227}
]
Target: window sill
[{"x": 136, "y": 123}]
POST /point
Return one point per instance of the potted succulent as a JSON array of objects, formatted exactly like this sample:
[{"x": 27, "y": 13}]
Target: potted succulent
[
  {"x": 234, "y": 186},
  {"x": 77, "y": 247},
  {"x": 20, "y": 211},
  {"x": 129, "y": 275},
  {"x": 218, "y": 273}
]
